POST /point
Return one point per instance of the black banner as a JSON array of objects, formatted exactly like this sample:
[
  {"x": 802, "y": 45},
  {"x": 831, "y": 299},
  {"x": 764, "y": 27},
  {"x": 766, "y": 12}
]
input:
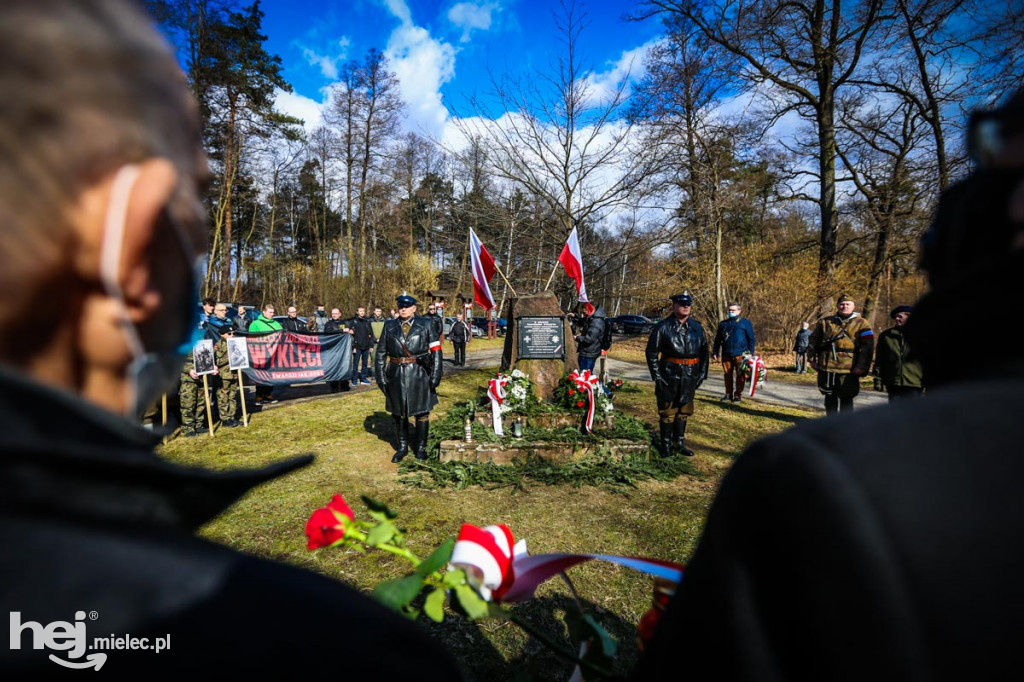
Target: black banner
[{"x": 283, "y": 358}]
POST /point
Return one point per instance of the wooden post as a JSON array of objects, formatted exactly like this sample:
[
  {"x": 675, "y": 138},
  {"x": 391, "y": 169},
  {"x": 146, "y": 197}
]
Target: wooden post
[
  {"x": 209, "y": 412},
  {"x": 163, "y": 415},
  {"x": 241, "y": 396}
]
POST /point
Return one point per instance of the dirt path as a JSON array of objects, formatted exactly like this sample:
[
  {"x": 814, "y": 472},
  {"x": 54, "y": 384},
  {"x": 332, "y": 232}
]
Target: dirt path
[{"x": 774, "y": 392}]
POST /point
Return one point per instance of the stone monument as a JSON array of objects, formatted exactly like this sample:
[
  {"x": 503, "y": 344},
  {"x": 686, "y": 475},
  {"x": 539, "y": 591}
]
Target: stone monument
[{"x": 539, "y": 341}]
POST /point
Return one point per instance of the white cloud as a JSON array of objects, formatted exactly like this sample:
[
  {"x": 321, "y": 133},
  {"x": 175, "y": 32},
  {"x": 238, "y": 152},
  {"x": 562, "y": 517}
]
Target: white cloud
[
  {"x": 400, "y": 10},
  {"x": 603, "y": 86},
  {"x": 471, "y": 16},
  {"x": 294, "y": 104},
  {"x": 423, "y": 64},
  {"x": 327, "y": 63}
]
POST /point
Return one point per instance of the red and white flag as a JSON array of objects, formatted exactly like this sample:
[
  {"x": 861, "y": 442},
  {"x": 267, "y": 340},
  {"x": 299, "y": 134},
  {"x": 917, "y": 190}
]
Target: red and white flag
[
  {"x": 483, "y": 270},
  {"x": 572, "y": 260}
]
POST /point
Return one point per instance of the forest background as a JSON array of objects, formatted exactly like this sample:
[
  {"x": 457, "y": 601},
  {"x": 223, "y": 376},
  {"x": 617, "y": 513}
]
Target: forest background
[{"x": 670, "y": 184}]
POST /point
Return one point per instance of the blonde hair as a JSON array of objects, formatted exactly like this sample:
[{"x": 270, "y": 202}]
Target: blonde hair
[{"x": 85, "y": 87}]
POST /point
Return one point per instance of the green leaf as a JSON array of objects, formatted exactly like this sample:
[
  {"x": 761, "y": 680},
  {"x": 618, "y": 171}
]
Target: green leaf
[
  {"x": 399, "y": 592},
  {"x": 584, "y": 628},
  {"x": 472, "y": 604},
  {"x": 454, "y": 578},
  {"x": 438, "y": 558},
  {"x": 381, "y": 534},
  {"x": 434, "y": 606},
  {"x": 378, "y": 506}
]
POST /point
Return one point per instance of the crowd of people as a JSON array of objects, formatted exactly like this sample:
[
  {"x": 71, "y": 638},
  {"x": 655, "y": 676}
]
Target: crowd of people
[{"x": 366, "y": 332}]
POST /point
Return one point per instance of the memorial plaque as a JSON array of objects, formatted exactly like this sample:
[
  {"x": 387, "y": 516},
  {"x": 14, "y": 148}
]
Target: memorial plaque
[{"x": 541, "y": 338}]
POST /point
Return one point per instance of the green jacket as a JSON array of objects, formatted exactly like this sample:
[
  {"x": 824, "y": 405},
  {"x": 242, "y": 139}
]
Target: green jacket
[
  {"x": 263, "y": 324},
  {"x": 892, "y": 365}
]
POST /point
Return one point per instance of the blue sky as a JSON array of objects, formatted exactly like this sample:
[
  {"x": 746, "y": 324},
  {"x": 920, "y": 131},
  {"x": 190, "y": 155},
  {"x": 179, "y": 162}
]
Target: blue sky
[{"x": 441, "y": 50}]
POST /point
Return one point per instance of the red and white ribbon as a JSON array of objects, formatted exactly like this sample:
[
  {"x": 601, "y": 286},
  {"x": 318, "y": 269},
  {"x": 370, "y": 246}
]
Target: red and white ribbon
[
  {"x": 496, "y": 392},
  {"x": 757, "y": 366},
  {"x": 503, "y": 571},
  {"x": 486, "y": 555},
  {"x": 586, "y": 382}
]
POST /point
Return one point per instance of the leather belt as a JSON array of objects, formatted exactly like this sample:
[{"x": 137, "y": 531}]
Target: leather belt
[
  {"x": 683, "y": 361},
  {"x": 402, "y": 361}
]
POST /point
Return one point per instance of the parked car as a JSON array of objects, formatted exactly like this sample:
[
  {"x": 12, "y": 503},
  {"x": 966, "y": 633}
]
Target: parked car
[
  {"x": 481, "y": 323},
  {"x": 251, "y": 313},
  {"x": 632, "y": 324}
]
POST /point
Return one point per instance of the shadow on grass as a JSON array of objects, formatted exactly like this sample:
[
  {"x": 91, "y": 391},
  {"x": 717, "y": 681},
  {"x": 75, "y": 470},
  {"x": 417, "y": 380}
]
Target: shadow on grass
[
  {"x": 766, "y": 414},
  {"x": 530, "y": 659},
  {"x": 381, "y": 425}
]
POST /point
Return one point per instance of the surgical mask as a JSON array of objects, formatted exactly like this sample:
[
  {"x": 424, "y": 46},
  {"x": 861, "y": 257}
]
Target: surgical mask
[
  {"x": 732, "y": 314},
  {"x": 150, "y": 372}
]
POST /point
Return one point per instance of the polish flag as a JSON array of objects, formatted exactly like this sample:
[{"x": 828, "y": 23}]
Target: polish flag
[
  {"x": 572, "y": 260},
  {"x": 483, "y": 271}
]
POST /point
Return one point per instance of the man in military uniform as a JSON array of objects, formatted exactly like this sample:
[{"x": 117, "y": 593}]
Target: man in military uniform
[
  {"x": 677, "y": 357},
  {"x": 226, "y": 381},
  {"x": 896, "y": 367},
  {"x": 192, "y": 399},
  {"x": 841, "y": 349},
  {"x": 408, "y": 371}
]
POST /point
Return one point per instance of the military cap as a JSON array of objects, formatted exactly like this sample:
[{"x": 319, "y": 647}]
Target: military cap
[
  {"x": 682, "y": 299},
  {"x": 405, "y": 301},
  {"x": 900, "y": 309},
  {"x": 845, "y": 297}
]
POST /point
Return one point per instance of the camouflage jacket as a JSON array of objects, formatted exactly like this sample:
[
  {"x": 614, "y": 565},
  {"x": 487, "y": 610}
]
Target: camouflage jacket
[{"x": 840, "y": 345}]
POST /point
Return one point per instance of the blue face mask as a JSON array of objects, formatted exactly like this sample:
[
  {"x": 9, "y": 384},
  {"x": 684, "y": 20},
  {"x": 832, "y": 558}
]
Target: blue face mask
[
  {"x": 733, "y": 314},
  {"x": 150, "y": 372}
]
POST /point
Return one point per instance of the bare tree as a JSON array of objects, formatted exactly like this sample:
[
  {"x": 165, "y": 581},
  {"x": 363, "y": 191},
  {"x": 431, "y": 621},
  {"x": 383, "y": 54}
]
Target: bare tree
[
  {"x": 801, "y": 53},
  {"x": 561, "y": 138}
]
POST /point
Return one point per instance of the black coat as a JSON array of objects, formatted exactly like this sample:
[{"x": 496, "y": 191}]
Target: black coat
[
  {"x": 333, "y": 326},
  {"x": 294, "y": 324},
  {"x": 362, "y": 332},
  {"x": 459, "y": 333},
  {"x": 437, "y": 322},
  {"x": 410, "y": 389},
  {"x": 91, "y": 519},
  {"x": 588, "y": 343},
  {"x": 881, "y": 544},
  {"x": 669, "y": 339}
]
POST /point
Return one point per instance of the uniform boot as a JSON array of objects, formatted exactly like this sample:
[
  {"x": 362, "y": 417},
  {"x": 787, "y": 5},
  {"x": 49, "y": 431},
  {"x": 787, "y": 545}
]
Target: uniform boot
[
  {"x": 678, "y": 434},
  {"x": 422, "y": 431},
  {"x": 402, "y": 428},
  {"x": 665, "y": 442}
]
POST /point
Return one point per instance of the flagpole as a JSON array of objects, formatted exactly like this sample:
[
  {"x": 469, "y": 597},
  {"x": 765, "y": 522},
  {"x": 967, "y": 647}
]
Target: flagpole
[
  {"x": 507, "y": 283},
  {"x": 553, "y": 271}
]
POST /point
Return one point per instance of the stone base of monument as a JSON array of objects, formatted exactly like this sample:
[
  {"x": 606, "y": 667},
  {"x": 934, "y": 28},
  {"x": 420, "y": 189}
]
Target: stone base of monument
[
  {"x": 555, "y": 420},
  {"x": 505, "y": 453}
]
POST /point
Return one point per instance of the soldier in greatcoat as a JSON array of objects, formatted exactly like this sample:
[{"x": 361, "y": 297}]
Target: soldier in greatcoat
[
  {"x": 677, "y": 357},
  {"x": 408, "y": 370}
]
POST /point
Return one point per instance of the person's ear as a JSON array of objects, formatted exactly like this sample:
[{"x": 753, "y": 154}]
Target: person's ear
[{"x": 149, "y": 196}]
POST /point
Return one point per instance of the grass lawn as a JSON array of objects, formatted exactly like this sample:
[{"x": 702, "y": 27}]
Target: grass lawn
[{"x": 350, "y": 435}]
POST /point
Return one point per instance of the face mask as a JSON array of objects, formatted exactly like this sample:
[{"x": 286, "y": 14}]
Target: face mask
[
  {"x": 732, "y": 314},
  {"x": 150, "y": 372}
]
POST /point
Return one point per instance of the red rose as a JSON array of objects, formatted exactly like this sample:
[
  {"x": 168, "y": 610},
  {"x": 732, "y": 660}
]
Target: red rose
[
  {"x": 324, "y": 528},
  {"x": 572, "y": 392},
  {"x": 579, "y": 403}
]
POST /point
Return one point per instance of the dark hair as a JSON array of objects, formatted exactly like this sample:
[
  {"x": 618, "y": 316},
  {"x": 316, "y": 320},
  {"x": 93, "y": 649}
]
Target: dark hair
[
  {"x": 209, "y": 300},
  {"x": 734, "y": 304}
]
